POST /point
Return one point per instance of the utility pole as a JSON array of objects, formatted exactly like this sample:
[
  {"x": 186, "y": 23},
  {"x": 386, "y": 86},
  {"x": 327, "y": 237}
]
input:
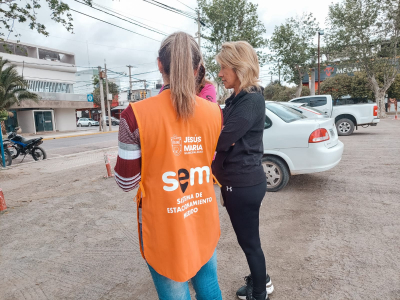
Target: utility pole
[
  {"x": 145, "y": 89},
  {"x": 130, "y": 81},
  {"x": 198, "y": 28},
  {"x": 108, "y": 101},
  {"x": 321, "y": 32},
  {"x": 103, "y": 110},
  {"x": 279, "y": 72}
]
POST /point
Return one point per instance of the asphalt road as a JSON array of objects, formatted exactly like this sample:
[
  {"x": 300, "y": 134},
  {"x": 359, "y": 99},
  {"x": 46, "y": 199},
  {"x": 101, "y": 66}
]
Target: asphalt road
[
  {"x": 65, "y": 146},
  {"x": 78, "y": 144}
]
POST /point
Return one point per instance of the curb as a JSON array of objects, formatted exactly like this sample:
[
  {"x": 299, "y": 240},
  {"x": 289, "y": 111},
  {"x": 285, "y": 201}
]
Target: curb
[{"x": 76, "y": 135}]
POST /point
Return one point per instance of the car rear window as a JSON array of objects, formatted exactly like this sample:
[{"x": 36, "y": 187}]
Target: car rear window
[
  {"x": 318, "y": 101},
  {"x": 286, "y": 113},
  {"x": 314, "y": 109}
]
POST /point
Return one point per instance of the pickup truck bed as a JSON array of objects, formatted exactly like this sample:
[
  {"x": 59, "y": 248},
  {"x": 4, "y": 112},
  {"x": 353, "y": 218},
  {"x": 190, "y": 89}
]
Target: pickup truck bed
[{"x": 348, "y": 116}]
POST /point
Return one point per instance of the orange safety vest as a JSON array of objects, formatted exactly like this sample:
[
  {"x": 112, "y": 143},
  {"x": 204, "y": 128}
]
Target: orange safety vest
[{"x": 180, "y": 222}]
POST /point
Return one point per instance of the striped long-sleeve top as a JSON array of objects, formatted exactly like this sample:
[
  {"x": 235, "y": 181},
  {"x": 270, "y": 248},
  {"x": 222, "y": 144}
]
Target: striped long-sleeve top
[{"x": 127, "y": 169}]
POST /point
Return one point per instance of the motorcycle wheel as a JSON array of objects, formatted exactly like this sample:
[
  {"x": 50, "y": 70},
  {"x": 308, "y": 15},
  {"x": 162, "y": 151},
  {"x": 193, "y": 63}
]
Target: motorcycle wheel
[
  {"x": 14, "y": 152},
  {"x": 38, "y": 153},
  {"x": 8, "y": 158}
]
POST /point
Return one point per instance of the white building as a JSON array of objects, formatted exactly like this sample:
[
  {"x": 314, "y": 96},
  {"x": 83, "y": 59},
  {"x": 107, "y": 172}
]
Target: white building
[{"x": 51, "y": 74}]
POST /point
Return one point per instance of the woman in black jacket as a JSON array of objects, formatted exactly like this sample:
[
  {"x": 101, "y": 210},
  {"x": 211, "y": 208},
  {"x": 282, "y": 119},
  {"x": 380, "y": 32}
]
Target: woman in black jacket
[{"x": 237, "y": 165}]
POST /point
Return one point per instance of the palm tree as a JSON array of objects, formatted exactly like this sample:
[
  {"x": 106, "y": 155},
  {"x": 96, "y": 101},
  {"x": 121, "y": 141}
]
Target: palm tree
[{"x": 13, "y": 87}]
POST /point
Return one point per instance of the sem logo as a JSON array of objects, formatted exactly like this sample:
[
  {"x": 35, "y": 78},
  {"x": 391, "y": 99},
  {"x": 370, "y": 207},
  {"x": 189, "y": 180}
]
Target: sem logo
[
  {"x": 184, "y": 176},
  {"x": 176, "y": 142}
]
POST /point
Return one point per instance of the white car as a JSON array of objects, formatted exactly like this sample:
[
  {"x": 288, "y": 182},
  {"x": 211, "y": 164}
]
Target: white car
[
  {"x": 87, "y": 122},
  {"x": 295, "y": 144}
]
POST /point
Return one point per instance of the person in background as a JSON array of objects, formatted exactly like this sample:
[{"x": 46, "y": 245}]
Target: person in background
[
  {"x": 204, "y": 88},
  {"x": 165, "y": 149},
  {"x": 237, "y": 165}
]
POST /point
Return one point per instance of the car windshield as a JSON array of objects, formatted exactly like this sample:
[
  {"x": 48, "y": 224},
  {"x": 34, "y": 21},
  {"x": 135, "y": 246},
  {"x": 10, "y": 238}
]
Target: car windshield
[{"x": 286, "y": 113}]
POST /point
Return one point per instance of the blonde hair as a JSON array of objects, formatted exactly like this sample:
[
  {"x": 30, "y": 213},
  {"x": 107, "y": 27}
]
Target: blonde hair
[
  {"x": 242, "y": 58},
  {"x": 180, "y": 55}
]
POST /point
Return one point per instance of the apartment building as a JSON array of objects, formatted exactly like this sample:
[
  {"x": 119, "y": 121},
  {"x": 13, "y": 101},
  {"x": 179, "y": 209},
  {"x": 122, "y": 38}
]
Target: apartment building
[{"x": 51, "y": 74}]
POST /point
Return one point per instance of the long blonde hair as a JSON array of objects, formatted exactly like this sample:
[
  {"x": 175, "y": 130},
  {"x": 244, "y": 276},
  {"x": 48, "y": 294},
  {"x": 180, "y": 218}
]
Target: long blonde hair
[
  {"x": 180, "y": 55},
  {"x": 242, "y": 58}
]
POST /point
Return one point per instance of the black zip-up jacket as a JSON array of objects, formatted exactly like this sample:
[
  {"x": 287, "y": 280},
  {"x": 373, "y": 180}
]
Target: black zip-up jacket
[{"x": 240, "y": 165}]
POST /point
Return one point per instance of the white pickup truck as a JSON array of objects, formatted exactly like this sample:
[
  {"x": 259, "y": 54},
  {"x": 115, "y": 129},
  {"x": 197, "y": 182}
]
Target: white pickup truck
[{"x": 348, "y": 116}]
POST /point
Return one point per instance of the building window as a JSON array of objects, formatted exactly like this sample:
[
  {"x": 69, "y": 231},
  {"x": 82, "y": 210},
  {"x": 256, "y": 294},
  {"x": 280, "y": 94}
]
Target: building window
[
  {"x": 49, "y": 87},
  {"x": 13, "y": 49}
]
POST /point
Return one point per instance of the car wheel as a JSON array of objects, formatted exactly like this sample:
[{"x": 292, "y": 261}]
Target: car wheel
[
  {"x": 277, "y": 173},
  {"x": 113, "y": 123},
  {"x": 90, "y": 124},
  {"x": 79, "y": 125},
  {"x": 345, "y": 127}
]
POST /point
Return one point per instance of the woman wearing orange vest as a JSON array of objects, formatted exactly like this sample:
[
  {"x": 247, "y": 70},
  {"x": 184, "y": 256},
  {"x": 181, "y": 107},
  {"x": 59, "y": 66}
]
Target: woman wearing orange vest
[
  {"x": 173, "y": 137},
  {"x": 237, "y": 164}
]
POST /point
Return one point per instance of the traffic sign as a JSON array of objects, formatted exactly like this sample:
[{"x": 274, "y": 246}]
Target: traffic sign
[{"x": 90, "y": 97}]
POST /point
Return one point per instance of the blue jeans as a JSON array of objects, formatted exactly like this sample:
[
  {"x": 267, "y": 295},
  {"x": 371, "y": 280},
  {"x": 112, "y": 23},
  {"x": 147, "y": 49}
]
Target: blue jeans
[{"x": 205, "y": 283}]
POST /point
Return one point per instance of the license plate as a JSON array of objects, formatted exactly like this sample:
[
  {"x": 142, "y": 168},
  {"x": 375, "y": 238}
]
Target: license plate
[{"x": 332, "y": 132}]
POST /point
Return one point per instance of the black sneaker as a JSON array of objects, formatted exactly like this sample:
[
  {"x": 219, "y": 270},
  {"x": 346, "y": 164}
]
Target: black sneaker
[
  {"x": 263, "y": 296},
  {"x": 242, "y": 292}
]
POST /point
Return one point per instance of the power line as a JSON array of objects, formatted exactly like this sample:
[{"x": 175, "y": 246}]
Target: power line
[
  {"x": 113, "y": 24},
  {"x": 170, "y": 8},
  {"x": 78, "y": 41},
  {"x": 145, "y": 27},
  {"x": 105, "y": 7},
  {"x": 186, "y": 5},
  {"x": 129, "y": 18}
]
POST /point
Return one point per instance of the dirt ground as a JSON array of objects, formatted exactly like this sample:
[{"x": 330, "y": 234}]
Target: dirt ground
[{"x": 70, "y": 234}]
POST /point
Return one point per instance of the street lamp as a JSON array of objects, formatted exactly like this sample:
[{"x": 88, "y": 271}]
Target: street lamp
[{"x": 321, "y": 32}]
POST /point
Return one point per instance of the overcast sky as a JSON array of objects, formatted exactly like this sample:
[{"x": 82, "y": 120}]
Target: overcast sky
[{"x": 94, "y": 41}]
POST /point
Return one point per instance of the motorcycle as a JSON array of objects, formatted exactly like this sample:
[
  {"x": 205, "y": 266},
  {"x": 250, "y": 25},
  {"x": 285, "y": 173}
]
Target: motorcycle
[{"x": 21, "y": 145}]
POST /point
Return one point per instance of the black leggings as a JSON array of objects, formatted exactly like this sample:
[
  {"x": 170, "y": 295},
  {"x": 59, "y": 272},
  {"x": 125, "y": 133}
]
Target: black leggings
[{"x": 243, "y": 206}]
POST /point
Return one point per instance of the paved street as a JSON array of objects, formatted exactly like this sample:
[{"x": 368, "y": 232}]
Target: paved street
[
  {"x": 70, "y": 234},
  {"x": 65, "y": 146}
]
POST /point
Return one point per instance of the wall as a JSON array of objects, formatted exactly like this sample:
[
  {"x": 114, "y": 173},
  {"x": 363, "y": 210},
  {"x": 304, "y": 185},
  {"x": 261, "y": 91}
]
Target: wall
[
  {"x": 26, "y": 121},
  {"x": 65, "y": 119}
]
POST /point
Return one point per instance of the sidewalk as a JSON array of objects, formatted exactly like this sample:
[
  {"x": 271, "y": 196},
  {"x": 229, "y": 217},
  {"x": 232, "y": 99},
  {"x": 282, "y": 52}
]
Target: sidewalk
[{"x": 80, "y": 131}]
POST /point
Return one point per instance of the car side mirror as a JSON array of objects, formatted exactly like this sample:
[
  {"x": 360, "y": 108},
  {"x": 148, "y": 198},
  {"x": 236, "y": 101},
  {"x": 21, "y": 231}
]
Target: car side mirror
[{"x": 267, "y": 123}]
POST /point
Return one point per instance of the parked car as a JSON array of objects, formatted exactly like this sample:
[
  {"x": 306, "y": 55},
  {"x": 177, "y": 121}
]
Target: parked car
[
  {"x": 308, "y": 111},
  {"x": 347, "y": 116},
  {"x": 295, "y": 144},
  {"x": 87, "y": 122},
  {"x": 114, "y": 121}
]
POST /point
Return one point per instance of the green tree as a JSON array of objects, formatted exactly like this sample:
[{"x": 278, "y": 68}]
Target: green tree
[
  {"x": 113, "y": 89},
  {"x": 271, "y": 89},
  {"x": 13, "y": 88},
  {"x": 337, "y": 86},
  {"x": 394, "y": 90},
  {"x": 277, "y": 92},
  {"x": 229, "y": 20},
  {"x": 356, "y": 86},
  {"x": 360, "y": 86},
  {"x": 11, "y": 11},
  {"x": 293, "y": 49},
  {"x": 364, "y": 35}
]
